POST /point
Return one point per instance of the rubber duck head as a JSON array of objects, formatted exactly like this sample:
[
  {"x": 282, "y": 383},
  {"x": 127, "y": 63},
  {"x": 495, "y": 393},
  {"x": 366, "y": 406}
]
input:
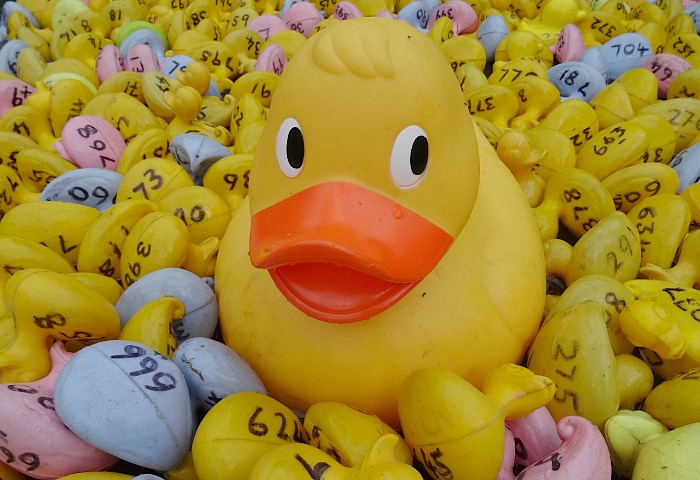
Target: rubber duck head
[{"x": 366, "y": 171}]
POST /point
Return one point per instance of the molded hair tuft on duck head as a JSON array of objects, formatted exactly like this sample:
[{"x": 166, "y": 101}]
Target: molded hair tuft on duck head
[{"x": 336, "y": 50}]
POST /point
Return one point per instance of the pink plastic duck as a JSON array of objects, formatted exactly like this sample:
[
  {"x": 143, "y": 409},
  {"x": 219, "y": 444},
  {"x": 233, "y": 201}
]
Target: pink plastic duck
[
  {"x": 583, "y": 454},
  {"x": 33, "y": 440}
]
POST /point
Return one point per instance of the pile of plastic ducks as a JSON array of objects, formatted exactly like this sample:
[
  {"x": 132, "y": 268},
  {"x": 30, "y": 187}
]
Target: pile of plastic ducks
[{"x": 512, "y": 291}]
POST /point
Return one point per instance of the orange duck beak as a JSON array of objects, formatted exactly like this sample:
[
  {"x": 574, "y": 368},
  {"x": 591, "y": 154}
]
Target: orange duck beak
[{"x": 342, "y": 253}]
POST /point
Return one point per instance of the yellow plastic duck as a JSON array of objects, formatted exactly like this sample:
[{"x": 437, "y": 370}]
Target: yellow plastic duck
[
  {"x": 516, "y": 152},
  {"x": 297, "y": 461},
  {"x": 186, "y": 102},
  {"x": 443, "y": 417},
  {"x": 553, "y": 15},
  {"x": 379, "y": 242},
  {"x": 48, "y": 306}
]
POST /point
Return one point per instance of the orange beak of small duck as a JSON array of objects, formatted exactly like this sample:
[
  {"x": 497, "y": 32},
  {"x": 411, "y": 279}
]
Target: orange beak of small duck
[{"x": 342, "y": 253}]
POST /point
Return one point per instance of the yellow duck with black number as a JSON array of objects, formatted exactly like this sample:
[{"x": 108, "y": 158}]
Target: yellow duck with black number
[{"x": 382, "y": 234}]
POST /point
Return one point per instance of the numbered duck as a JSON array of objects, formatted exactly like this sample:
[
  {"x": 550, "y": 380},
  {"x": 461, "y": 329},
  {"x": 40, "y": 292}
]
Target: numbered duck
[{"x": 381, "y": 234}]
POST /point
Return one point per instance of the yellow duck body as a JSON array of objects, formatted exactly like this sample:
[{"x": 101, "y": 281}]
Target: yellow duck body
[{"x": 339, "y": 277}]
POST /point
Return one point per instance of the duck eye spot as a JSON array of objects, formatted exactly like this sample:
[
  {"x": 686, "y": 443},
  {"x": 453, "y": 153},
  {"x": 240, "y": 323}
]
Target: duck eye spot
[
  {"x": 419, "y": 155},
  {"x": 295, "y": 148},
  {"x": 289, "y": 147},
  {"x": 409, "y": 157}
]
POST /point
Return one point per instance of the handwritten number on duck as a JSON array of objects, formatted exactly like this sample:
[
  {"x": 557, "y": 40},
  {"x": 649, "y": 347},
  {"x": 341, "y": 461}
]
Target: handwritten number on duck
[
  {"x": 315, "y": 472},
  {"x": 162, "y": 381},
  {"x": 432, "y": 463},
  {"x": 45, "y": 402},
  {"x": 30, "y": 459},
  {"x": 260, "y": 429}
]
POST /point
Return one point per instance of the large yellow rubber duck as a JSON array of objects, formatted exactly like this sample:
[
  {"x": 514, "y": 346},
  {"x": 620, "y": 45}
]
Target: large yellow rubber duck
[{"x": 386, "y": 235}]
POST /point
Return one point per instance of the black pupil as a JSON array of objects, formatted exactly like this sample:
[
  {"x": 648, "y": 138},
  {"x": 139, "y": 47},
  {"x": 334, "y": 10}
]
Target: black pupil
[
  {"x": 295, "y": 148},
  {"x": 419, "y": 155}
]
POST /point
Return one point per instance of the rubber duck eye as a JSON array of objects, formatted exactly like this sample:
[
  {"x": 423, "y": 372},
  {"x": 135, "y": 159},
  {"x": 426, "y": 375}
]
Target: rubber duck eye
[
  {"x": 289, "y": 148},
  {"x": 409, "y": 157}
]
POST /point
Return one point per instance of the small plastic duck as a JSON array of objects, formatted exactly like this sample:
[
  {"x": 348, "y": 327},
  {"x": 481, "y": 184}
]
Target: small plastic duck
[
  {"x": 673, "y": 402},
  {"x": 496, "y": 103},
  {"x": 517, "y": 153},
  {"x": 662, "y": 142},
  {"x": 575, "y": 118},
  {"x": 49, "y": 449},
  {"x": 611, "y": 247},
  {"x": 154, "y": 85},
  {"x": 626, "y": 432},
  {"x": 686, "y": 270},
  {"x": 193, "y": 291},
  {"x": 522, "y": 43},
  {"x": 558, "y": 150},
  {"x": 186, "y": 103},
  {"x": 631, "y": 185},
  {"x": 239, "y": 430},
  {"x": 95, "y": 187},
  {"x": 612, "y": 105},
  {"x": 48, "y": 306},
  {"x": 196, "y": 153},
  {"x": 61, "y": 226},
  {"x": 536, "y": 437},
  {"x": 303, "y": 17},
  {"x": 613, "y": 148},
  {"x": 464, "y": 18},
  {"x": 14, "y": 93},
  {"x": 213, "y": 372},
  {"x": 666, "y": 67},
  {"x": 599, "y": 26},
  {"x": 625, "y": 52},
  {"x": 463, "y": 49},
  {"x": 607, "y": 292},
  {"x": 100, "y": 251},
  {"x": 685, "y": 85},
  {"x": 295, "y": 461},
  {"x": 575, "y": 197},
  {"x": 229, "y": 177},
  {"x": 636, "y": 380},
  {"x": 572, "y": 348},
  {"x": 151, "y": 325},
  {"x": 30, "y": 121},
  {"x": 570, "y": 45},
  {"x": 129, "y": 115},
  {"x": 205, "y": 213},
  {"x": 246, "y": 46},
  {"x": 439, "y": 427},
  {"x": 158, "y": 240},
  {"x": 669, "y": 454},
  {"x": 582, "y": 454},
  {"x": 492, "y": 30},
  {"x": 22, "y": 253},
  {"x": 139, "y": 390},
  {"x": 92, "y": 142},
  {"x": 347, "y": 434},
  {"x": 151, "y": 143},
  {"x": 657, "y": 322},
  {"x": 553, "y": 15},
  {"x": 13, "y": 191},
  {"x": 576, "y": 80},
  {"x": 260, "y": 83},
  {"x": 662, "y": 221},
  {"x": 18, "y": 27}
]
